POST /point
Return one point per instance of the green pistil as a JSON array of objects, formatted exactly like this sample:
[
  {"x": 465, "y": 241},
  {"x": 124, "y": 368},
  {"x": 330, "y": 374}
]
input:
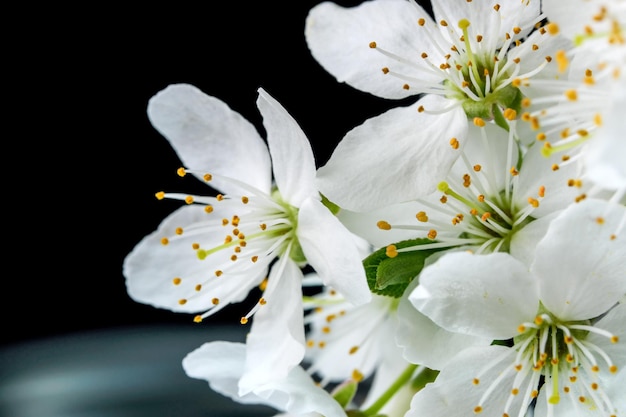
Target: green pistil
[
  {"x": 548, "y": 151},
  {"x": 445, "y": 188},
  {"x": 464, "y": 24}
]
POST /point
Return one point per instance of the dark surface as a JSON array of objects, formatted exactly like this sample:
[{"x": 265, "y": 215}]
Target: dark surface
[{"x": 132, "y": 372}]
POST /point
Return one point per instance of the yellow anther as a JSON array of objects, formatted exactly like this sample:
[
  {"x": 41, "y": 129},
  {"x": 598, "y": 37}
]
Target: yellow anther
[
  {"x": 357, "y": 375},
  {"x": 552, "y": 28},
  {"x": 443, "y": 23},
  {"x": 181, "y": 172},
  {"x": 218, "y": 273},
  {"x": 207, "y": 177},
  {"x": 406, "y": 87},
  {"x": 262, "y": 301},
  {"x": 391, "y": 251},
  {"x": 478, "y": 409},
  {"x": 179, "y": 231},
  {"x": 243, "y": 320},
  {"x": 597, "y": 119},
  {"x": 517, "y": 30},
  {"x": 244, "y": 199},
  {"x": 422, "y": 216},
  {"x": 555, "y": 167},
  {"x": 254, "y": 258},
  {"x": 160, "y": 195},
  {"x": 613, "y": 369},
  {"x": 197, "y": 319},
  {"x": 485, "y": 216},
  {"x": 385, "y": 70},
  {"x": 571, "y": 94},
  {"x": 614, "y": 339},
  {"x": 475, "y": 381},
  {"x": 383, "y": 225},
  {"x": 353, "y": 350},
  {"x": 421, "y": 21},
  {"x": 479, "y": 122},
  {"x": 538, "y": 320},
  {"x": 562, "y": 60},
  {"x": 477, "y": 167},
  {"x": 535, "y": 47},
  {"x": 454, "y": 142},
  {"x": 372, "y": 45},
  {"x": 424, "y": 55},
  {"x": 263, "y": 285},
  {"x": 164, "y": 241},
  {"x": 208, "y": 208},
  {"x": 514, "y": 172},
  {"x": 514, "y": 391},
  {"x": 541, "y": 136},
  {"x": 510, "y": 114},
  {"x": 533, "y": 202},
  {"x": 219, "y": 197},
  {"x": 177, "y": 281},
  {"x": 432, "y": 234},
  {"x": 182, "y": 301},
  {"x": 189, "y": 199},
  {"x": 600, "y": 220},
  {"x": 198, "y": 287},
  {"x": 420, "y": 109},
  {"x": 481, "y": 198},
  {"x": 542, "y": 191},
  {"x": 215, "y": 301}
]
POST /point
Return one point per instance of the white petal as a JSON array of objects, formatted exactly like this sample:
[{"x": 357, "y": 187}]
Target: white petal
[
  {"x": 275, "y": 344},
  {"x": 536, "y": 171},
  {"x": 209, "y": 136},
  {"x": 524, "y": 241},
  {"x": 613, "y": 322},
  {"x": 484, "y": 19},
  {"x": 605, "y": 155},
  {"x": 332, "y": 251},
  {"x": 481, "y": 295},
  {"x": 292, "y": 157},
  {"x": 580, "y": 267},
  {"x": 425, "y": 343},
  {"x": 339, "y": 40},
  {"x": 454, "y": 395},
  {"x": 398, "y": 156},
  {"x": 151, "y": 267},
  {"x": 221, "y": 364}
]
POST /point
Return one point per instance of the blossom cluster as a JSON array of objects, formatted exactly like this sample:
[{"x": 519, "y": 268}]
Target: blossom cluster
[{"x": 461, "y": 255}]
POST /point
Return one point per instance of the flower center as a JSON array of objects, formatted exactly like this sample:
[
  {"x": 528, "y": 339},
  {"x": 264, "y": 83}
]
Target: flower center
[
  {"x": 255, "y": 229},
  {"x": 563, "y": 356},
  {"x": 476, "y": 208}
]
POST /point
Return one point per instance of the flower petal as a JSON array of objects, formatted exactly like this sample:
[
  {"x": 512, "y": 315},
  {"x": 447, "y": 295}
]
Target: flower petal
[
  {"x": 425, "y": 343},
  {"x": 332, "y": 251},
  {"x": 454, "y": 395},
  {"x": 398, "y": 156},
  {"x": 221, "y": 363},
  {"x": 581, "y": 261},
  {"x": 208, "y": 136},
  {"x": 481, "y": 295},
  {"x": 339, "y": 39},
  {"x": 292, "y": 157},
  {"x": 275, "y": 344}
]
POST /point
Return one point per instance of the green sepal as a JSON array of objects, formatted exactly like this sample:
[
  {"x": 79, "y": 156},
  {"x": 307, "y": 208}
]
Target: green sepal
[
  {"x": 359, "y": 413},
  {"x": 390, "y": 276},
  {"x": 425, "y": 377},
  {"x": 344, "y": 393},
  {"x": 334, "y": 208}
]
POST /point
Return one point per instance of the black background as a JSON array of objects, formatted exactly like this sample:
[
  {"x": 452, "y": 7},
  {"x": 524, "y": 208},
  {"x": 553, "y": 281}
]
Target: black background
[{"x": 83, "y": 162}]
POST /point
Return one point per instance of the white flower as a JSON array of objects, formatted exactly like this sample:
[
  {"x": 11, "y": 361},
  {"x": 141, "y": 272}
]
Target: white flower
[
  {"x": 562, "y": 319},
  {"x": 469, "y": 61},
  {"x": 491, "y": 200},
  {"x": 222, "y": 364},
  {"x": 207, "y": 255},
  {"x": 584, "y": 115}
]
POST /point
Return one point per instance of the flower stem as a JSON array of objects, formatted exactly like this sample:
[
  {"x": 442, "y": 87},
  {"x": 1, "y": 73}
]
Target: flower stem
[{"x": 404, "y": 377}]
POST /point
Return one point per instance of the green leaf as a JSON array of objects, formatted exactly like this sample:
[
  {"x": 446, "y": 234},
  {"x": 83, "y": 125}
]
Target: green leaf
[{"x": 390, "y": 276}]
